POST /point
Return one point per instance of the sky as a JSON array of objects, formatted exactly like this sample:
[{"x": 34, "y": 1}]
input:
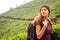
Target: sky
[{"x": 5, "y": 5}]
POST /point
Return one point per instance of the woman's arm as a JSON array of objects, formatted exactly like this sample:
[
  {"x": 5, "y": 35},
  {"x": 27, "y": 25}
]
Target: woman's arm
[{"x": 39, "y": 31}]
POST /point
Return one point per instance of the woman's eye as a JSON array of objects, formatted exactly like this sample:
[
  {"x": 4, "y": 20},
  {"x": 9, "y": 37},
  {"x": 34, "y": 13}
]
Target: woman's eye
[{"x": 43, "y": 10}]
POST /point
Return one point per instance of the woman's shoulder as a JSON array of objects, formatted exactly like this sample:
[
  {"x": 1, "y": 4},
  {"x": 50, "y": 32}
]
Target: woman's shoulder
[
  {"x": 50, "y": 22},
  {"x": 38, "y": 21}
]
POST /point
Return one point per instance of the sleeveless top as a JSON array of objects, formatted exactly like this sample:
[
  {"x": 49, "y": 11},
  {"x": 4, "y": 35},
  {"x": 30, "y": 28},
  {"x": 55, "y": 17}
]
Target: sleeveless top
[{"x": 47, "y": 34}]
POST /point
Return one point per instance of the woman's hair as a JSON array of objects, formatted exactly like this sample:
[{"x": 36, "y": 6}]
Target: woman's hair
[{"x": 39, "y": 15}]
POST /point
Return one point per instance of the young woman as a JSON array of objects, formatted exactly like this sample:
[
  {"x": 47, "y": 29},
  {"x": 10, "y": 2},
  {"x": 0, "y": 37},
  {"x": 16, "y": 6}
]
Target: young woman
[{"x": 43, "y": 24}]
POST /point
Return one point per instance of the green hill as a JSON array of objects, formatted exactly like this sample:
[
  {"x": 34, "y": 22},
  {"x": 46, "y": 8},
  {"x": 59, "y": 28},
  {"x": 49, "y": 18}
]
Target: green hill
[
  {"x": 31, "y": 9},
  {"x": 14, "y": 29}
]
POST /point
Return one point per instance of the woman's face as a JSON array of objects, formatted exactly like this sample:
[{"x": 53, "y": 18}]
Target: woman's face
[{"x": 44, "y": 11}]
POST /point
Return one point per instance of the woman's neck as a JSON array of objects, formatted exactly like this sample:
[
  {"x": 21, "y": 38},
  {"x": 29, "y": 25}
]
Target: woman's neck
[{"x": 46, "y": 18}]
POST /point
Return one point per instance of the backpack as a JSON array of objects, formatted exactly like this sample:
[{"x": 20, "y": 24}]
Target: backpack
[{"x": 31, "y": 32}]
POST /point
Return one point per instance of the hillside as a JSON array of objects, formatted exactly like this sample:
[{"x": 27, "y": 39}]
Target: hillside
[
  {"x": 14, "y": 29},
  {"x": 32, "y": 8}
]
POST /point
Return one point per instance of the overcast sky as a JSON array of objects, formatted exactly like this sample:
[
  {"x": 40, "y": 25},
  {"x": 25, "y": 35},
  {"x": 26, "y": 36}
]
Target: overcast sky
[{"x": 5, "y": 5}]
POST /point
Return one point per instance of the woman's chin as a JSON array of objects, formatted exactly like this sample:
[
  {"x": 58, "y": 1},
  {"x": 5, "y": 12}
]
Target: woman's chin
[{"x": 44, "y": 16}]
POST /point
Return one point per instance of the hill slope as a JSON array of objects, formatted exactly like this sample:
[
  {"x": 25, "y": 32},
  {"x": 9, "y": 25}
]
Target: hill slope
[
  {"x": 13, "y": 27},
  {"x": 31, "y": 9}
]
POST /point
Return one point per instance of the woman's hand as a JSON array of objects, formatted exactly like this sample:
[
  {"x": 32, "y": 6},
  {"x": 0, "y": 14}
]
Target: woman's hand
[{"x": 45, "y": 22}]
